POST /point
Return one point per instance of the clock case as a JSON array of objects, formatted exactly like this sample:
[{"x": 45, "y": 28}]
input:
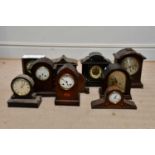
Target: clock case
[
  {"x": 129, "y": 52},
  {"x": 44, "y": 88},
  {"x": 94, "y": 58},
  {"x": 104, "y": 103},
  {"x": 31, "y": 100},
  {"x": 110, "y": 69},
  {"x": 69, "y": 97},
  {"x": 29, "y": 58}
]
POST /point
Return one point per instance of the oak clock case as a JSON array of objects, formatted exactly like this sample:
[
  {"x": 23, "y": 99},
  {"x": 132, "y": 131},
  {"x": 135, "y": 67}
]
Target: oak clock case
[
  {"x": 116, "y": 75},
  {"x": 93, "y": 68},
  {"x": 27, "y": 61},
  {"x": 23, "y": 95},
  {"x": 133, "y": 63},
  {"x": 113, "y": 99},
  {"x": 69, "y": 84},
  {"x": 43, "y": 75}
]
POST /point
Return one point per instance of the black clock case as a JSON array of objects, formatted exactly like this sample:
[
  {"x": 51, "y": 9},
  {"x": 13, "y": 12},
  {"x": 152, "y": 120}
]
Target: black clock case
[
  {"x": 111, "y": 68},
  {"x": 136, "y": 78},
  {"x": 94, "y": 58}
]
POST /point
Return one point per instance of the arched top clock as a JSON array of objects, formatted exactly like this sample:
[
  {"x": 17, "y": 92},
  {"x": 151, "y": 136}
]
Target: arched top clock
[
  {"x": 113, "y": 99},
  {"x": 132, "y": 62},
  {"x": 43, "y": 75},
  {"x": 93, "y": 68},
  {"x": 69, "y": 84},
  {"x": 115, "y": 75}
]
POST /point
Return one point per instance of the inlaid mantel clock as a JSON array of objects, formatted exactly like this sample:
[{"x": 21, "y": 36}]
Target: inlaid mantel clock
[
  {"x": 93, "y": 68},
  {"x": 23, "y": 93},
  {"x": 133, "y": 63},
  {"x": 116, "y": 75},
  {"x": 69, "y": 84},
  {"x": 113, "y": 99},
  {"x": 43, "y": 75}
]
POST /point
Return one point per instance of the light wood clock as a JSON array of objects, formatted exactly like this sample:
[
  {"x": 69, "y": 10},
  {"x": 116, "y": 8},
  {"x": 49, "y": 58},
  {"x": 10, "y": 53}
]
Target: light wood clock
[
  {"x": 133, "y": 63},
  {"x": 23, "y": 93},
  {"x": 113, "y": 99},
  {"x": 116, "y": 75},
  {"x": 69, "y": 84}
]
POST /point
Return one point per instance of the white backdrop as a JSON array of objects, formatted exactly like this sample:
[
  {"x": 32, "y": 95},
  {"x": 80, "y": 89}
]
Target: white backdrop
[{"x": 75, "y": 42}]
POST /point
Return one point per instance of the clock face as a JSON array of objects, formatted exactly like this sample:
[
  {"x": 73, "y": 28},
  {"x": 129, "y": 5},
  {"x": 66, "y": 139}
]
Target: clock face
[
  {"x": 130, "y": 64},
  {"x": 115, "y": 97},
  {"x": 21, "y": 87},
  {"x": 28, "y": 66},
  {"x": 66, "y": 81},
  {"x": 95, "y": 72},
  {"x": 42, "y": 73},
  {"x": 118, "y": 79}
]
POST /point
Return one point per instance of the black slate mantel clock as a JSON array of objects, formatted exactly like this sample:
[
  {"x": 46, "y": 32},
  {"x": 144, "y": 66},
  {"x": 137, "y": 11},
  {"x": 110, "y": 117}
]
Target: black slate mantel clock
[
  {"x": 93, "y": 68},
  {"x": 113, "y": 99},
  {"x": 116, "y": 75},
  {"x": 43, "y": 75},
  {"x": 133, "y": 63},
  {"x": 23, "y": 93},
  {"x": 69, "y": 84}
]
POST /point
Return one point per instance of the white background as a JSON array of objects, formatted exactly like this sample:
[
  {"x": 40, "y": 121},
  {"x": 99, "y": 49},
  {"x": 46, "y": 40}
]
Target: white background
[{"x": 75, "y": 41}]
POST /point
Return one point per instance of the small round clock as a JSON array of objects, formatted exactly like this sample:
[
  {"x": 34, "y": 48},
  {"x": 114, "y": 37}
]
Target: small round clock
[
  {"x": 22, "y": 85},
  {"x": 113, "y": 99},
  {"x": 29, "y": 65},
  {"x": 66, "y": 81},
  {"x": 95, "y": 72}
]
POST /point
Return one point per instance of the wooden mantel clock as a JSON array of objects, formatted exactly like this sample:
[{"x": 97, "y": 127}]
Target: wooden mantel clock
[
  {"x": 116, "y": 75},
  {"x": 93, "y": 68},
  {"x": 132, "y": 62},
  {"x": 23, "y": 94},
  {"x": 69, "y": 84},
  {"x": 27, "y": 61},
  {"x": 43, "y": 75},
  {"x": 113, "y": 99}
]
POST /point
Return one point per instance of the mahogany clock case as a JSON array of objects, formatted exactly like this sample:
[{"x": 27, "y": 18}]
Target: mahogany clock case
[
  {"x": 111, "y": 69},
  {"x": 94, "y": 59},
  {"x": 129, "y": 52},
  {"x": 44, "y": 87},
  {"x": 30, "y": 100},
  {"x": 70, "y": 97},
  {"x": 105, "y": 103}
]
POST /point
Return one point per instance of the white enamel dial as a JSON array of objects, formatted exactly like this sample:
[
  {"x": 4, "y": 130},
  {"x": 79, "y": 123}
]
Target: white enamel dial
[
  {"x": 21, "y": 87},
  {"x": 115, "y": 97},
  {"x": 66, "y": 81},
  {"x": 130, "y": 64},
  {"x": 42, "y": 73}
]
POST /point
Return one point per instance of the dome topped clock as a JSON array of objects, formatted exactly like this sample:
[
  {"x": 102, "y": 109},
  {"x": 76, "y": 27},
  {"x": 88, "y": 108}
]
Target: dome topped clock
[{"x": 133, "y": 63}]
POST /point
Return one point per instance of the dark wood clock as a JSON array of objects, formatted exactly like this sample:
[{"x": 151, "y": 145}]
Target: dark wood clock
[
  {"x": 69, "y": 84},
  {"x": 113, "y": 99},
  {"x": 133, "y": 63},
  {"x": 27, "y": 61},
  {"x": 93, "y": 68},
  {"x": 23, "y": 94},
  {"x": 116, "y": 75},
  {"x": 44, "y": 76}
]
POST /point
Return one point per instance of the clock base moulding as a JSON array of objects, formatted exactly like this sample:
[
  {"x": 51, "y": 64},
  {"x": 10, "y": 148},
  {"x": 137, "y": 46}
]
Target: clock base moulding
[
  {"x": 102, "y": 104},
  {"x": 137, "y": 85},
  {"x": 33, "y": 102},
  {"x": 67, "y": 102}
]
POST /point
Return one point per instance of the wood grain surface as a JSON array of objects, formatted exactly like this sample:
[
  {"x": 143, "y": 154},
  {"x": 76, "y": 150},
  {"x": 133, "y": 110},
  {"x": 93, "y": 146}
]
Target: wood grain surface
[{"x": 50, "y": 116}]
